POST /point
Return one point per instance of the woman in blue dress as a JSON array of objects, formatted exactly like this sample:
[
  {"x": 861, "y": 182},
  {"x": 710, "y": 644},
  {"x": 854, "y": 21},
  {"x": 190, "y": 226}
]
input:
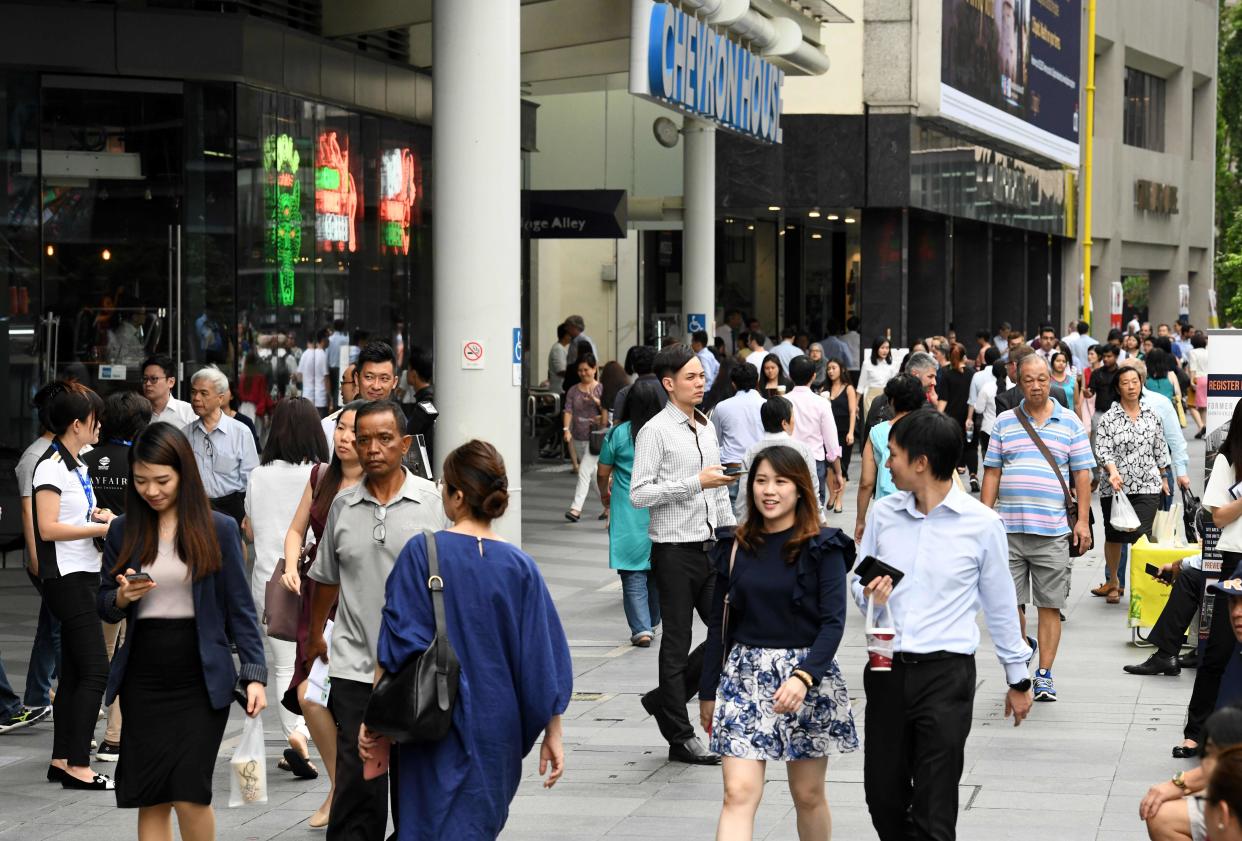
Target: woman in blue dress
[
  {"x": 516, "y": 675},
  {"x": 771, "y": 689},
  {"x": 629, "y": 545}
]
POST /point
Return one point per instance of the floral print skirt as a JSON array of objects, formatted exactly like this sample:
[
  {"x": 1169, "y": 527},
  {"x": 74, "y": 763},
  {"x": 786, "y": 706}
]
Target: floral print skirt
[{"x": 745, "y": 725}]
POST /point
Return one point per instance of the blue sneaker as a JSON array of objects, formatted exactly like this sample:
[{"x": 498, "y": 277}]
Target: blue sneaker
[{"x": 1044, "y": 690}]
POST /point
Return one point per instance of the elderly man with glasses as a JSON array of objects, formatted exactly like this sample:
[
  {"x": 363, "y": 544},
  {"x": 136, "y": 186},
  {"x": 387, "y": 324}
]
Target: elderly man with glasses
[
  {"x": 223, "y": 447},
  {"x": 367, "y": 527}
]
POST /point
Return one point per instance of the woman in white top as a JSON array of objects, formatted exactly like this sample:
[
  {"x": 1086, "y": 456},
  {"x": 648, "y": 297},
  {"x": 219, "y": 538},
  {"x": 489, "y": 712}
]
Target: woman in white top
[
  {"x": 295, "y": 444},
  {"x": 1197, "y": 363},
  {"x": 66, "y": 524},
  {"x": 984, "y": 406},
  {"x": 877, "y": 370}
]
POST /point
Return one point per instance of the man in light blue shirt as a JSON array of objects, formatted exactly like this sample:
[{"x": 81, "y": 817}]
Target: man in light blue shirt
[
  {"x": 1079, "y": 343},
  {"x": 711, "y": 366},
  {"x": 954, "y": 555},
  {"x": 223, "y": 447},
  {"x": 786, "y": 350},
  {"x": 835, "y": 347},
  {"x": 736, "y": 419}
]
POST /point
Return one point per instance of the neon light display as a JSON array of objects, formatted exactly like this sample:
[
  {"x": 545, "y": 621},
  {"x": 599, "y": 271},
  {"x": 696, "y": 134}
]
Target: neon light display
[
  {"x": 283, "y": 200},
  {"x": 401, "y": 191},
  {"x": 336, "y": 198}
]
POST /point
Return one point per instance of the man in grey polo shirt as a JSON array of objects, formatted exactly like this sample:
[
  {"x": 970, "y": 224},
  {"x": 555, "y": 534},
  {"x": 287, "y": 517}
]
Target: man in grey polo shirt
[
  {"x": 368, "y": 526},
  {"x": 223, "y": 447}
]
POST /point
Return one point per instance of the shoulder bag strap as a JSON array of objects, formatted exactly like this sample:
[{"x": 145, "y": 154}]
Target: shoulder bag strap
[
  {"x": 724, "y": 622},
  {"x": 436, "y": 585},
  {"x": 1030, "y": 430}
]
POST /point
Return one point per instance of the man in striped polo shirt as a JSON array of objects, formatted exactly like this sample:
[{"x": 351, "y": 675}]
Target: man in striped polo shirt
[{"x": 1020, "y": 483}]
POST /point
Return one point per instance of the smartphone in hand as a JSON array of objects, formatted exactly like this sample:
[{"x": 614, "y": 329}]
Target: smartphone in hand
[
  {"x": 1154, "y": 572},
  {"x": 138, "y": 577}
]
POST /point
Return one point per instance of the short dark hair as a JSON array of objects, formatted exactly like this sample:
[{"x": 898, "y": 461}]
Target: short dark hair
[
  {"x": 852, "y": 322},
  {"x": 338, "y": 325},
  {"x": 1106, "y": 349},
  {"x": 1198, "y": 340},
  {"x": 699, "y": 336},
  {"x": 801, "y": 370},
  {"x": 774, "y": 412},
  {"x": 789, "y": 331},
  {"x": 744, "y": 377},
  {"x": 561, "y": 331},
  {"x": 642, "y": 359},
  {"x": 377, "y": 407},
  {"x": 1082, "y": 328},
  {"x": 991, "y": 355},
  {"x": 1115, "y": 334},
  {"x": 126, "y": 414},
  {"x": 986, "y": 335},
  {"x": 1047, "y": 328},
  {"x": 295, "y": 436},
  {"x": 758, "y": 338},
  {"x": 671, "y": 360},
  {"x": 932, "y": 434},
  {"x": 165, "y": 363},
  {"x": 421, "y": 363},
  {"x": 377, "y": 353},
  {"x": 905, "y": 393}
]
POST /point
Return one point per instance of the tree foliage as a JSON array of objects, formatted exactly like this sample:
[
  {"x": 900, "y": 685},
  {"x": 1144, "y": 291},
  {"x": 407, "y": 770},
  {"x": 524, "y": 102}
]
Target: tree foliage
[{"x": 1229, "y": 166}]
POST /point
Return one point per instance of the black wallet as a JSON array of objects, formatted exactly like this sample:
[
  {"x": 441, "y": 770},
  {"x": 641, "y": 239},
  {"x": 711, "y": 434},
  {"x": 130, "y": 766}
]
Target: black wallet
[{"x": 872, "y": 568}]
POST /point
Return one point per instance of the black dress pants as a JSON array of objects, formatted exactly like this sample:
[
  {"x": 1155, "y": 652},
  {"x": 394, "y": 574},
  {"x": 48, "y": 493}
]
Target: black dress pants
[
  {"x": 917, "y": 719},
  {"x": 83, "y": 664},
  {"x": 1169, "y": 633},
  {"x": 359, "y": 807},
  {"x": 1220, "y": 646},
  {"x": 684, "y": 579}
]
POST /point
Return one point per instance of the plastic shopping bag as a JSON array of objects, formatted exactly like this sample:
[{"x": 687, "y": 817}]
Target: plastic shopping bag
[
  {"x": 879, "y": 639},
  {"x": 249, "y": 766},
  {"x": 1123, "y": 517}
]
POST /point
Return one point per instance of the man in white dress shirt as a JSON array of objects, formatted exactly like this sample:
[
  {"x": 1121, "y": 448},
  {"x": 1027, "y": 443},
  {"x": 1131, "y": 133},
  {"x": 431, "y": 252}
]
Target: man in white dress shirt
[
  {"x": 711, "y": 366},
  {"x": 955, "y": 558},
  {"x": 159, "y": 375}
]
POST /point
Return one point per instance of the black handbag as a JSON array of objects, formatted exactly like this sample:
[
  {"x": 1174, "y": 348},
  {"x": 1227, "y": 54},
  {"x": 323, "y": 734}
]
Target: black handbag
[
  {"x": 596, "y": 445},
  {"x": 415, "y": 703},
  {"x": 1193, "y": 516}
]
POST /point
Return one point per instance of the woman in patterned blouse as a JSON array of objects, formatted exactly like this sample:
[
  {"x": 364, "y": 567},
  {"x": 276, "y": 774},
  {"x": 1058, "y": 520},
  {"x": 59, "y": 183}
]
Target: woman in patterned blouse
[{"x": 1130, "y": 445}]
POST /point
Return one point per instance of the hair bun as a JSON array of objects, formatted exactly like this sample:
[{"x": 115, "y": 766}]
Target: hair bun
[{"x": 496, "y": 503}]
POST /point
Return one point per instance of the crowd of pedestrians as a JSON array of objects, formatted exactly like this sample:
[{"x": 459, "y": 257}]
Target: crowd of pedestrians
[{"x": 719, "y": 464}]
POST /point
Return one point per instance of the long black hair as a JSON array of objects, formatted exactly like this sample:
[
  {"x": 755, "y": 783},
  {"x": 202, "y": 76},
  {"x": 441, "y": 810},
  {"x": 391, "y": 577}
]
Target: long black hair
[
  {"x": 296, "y": 436},
  {"x": 330, "y": 481},
  {"x": 1231, "y": 447},
  {"x": 875, "y": 350},
  {"x": 642, "y": 403},
  {"x": 165, "y": 445}
]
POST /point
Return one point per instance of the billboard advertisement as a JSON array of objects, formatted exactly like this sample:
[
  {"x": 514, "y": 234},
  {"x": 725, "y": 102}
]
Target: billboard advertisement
[{"x": 1010, "y": 68}]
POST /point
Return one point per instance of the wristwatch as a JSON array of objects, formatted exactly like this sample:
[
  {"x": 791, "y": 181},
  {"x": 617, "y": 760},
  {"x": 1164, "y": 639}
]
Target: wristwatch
[{"x": 1023, "y": 685}]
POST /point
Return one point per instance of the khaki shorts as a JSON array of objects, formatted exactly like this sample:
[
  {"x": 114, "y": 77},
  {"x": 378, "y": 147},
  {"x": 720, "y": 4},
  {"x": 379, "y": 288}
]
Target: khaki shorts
[{"x": 1041, "y": 569}]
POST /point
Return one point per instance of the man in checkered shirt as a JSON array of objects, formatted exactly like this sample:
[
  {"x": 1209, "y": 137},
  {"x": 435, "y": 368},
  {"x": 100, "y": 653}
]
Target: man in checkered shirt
[{"x": 677, "y": 475}]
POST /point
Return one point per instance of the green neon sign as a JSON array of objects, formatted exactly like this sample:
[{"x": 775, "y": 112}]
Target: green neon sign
[{"x": 282, "y": 195}]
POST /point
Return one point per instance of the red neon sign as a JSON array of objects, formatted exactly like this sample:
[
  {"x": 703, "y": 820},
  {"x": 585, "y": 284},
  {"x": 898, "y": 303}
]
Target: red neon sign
[
  {"x": 401, "y": 193},
  {"x": 336, "y": 198}
]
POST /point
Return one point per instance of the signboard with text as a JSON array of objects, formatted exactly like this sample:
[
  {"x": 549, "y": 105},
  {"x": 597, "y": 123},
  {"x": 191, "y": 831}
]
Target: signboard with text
[{"x": 574, "y": 214}]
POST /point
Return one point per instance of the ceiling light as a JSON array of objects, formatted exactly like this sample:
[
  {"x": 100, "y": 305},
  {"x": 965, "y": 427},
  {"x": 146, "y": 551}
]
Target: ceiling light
[
  {"x": 832, "y": 217},
  {"x": 750, "y": 227},
  {"x": 107, "y": 255},
  {"x": 817, "y": 236},
  {"x": 789, "y": 227},
  {"x": 774, "y": 207},
  {"x": 850, "y": 220},
  {"x": 728, "y": 221},
  {"x": 814, "y": 214},
  {"x": 51, "y": 251}
]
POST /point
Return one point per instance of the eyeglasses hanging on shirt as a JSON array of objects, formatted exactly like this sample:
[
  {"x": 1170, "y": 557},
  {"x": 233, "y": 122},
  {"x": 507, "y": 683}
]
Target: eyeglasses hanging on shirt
[{"x": 380, "y": 512}]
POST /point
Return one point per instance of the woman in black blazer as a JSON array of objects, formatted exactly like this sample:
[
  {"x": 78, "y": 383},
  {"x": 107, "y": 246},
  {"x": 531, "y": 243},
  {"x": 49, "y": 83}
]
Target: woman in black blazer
[{"x": 174, "y": 673}]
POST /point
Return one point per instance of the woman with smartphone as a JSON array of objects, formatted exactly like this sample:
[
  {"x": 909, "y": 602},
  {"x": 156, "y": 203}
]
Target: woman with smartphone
[
  {"x": 771, "y": 688},
  {"x": 67, "y": 521},
  {"x": 175, "y": 573}
]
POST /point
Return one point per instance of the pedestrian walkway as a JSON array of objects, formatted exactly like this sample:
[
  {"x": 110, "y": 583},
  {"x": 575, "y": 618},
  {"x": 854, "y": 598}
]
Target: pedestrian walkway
[{"x": 1074, "y": 770}]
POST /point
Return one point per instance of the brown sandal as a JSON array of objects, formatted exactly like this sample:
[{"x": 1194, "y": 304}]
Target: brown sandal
[{"x": 1114, "y": 596}]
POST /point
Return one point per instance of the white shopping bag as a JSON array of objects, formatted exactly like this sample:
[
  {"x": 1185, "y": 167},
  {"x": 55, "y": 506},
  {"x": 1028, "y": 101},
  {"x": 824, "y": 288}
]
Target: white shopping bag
[
  {"x": 880, "y": 638},
  {"x": 249, "y": 766},
  {"x": 1123, "y": 517}
]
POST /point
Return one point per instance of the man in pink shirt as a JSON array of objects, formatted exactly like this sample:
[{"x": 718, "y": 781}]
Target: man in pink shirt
[{"x": 814, "y": 424}]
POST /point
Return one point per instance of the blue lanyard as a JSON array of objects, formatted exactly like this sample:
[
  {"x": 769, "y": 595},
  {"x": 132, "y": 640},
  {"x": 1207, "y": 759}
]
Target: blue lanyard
[
  {"x": 82, "y": 480},
  {"x": 122, "y": 442}
]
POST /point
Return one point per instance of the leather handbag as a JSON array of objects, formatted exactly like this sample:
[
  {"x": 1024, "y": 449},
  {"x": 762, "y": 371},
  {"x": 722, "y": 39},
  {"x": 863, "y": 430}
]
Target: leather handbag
[
  {"x": 1071, "y": 502},
  {"x": 415, "y": 703},
  {"x": 596, "y": 444},
  {"x": 724, "y": 620},
  {"x": 282, "y": 608}
]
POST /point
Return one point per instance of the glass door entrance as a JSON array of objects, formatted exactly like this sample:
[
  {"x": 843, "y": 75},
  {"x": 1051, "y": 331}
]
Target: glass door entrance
[{"x": 111, "y": 173}]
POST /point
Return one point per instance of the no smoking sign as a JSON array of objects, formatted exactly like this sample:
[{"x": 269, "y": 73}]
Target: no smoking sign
[{"x": 472, "y": 354}]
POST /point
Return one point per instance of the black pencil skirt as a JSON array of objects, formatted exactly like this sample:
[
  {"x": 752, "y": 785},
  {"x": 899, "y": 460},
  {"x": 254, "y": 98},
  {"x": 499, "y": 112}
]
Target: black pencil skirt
[{"x": 171, "y": 735}]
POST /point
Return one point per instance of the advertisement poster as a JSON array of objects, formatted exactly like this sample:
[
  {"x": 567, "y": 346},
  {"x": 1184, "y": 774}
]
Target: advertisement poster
[
  {"x": 1116, "y": 304},
  {"x": 1010, "y": 68},
  {"x": 1224, "y": 390}
]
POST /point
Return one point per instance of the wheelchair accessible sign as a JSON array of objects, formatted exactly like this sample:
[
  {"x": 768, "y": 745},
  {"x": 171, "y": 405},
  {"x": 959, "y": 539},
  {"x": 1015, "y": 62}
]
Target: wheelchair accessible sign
[{"x": 696, "y": 321}]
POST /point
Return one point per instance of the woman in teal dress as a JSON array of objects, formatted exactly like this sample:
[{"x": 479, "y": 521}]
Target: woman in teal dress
[{"x": 629, "y": 546}]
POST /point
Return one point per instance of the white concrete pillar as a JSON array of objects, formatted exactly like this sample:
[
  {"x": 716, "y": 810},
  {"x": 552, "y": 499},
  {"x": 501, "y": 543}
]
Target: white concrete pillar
[
  {"x": 477, "y": 146},
  {"x": 699, "y": 230}
]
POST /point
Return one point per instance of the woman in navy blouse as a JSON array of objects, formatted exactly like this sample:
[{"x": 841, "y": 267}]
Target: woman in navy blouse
[{"x": 773, "y": 669}]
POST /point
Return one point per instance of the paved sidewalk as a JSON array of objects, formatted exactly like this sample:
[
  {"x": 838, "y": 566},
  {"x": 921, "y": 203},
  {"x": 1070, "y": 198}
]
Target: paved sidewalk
[{"x": 1075, "y": 770}]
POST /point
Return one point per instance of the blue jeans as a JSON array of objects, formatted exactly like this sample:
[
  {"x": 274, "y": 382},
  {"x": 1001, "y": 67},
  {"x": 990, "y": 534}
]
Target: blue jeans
[
  {"x": 821, "y": 471},
  {"x": 10, "y": 704},
  {"x": 44, "y": 655},
  {"x": 1121, "y": 564},
  {"x": 641, "y": 601}
]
